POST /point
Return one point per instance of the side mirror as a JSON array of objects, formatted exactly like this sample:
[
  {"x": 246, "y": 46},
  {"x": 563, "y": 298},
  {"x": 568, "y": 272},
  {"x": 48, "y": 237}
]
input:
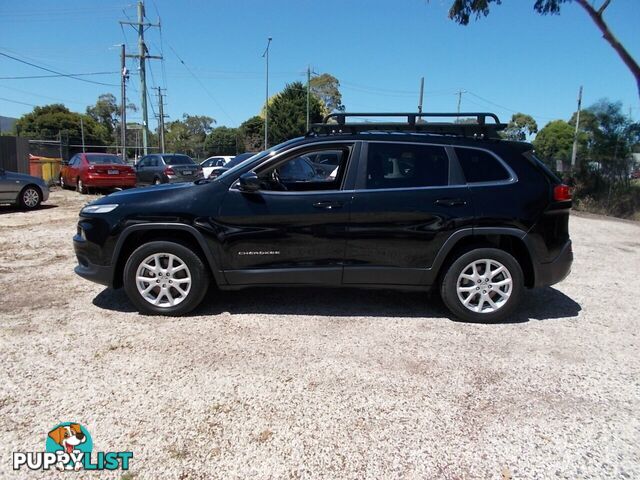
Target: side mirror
[{"x": 249, "y": 182}]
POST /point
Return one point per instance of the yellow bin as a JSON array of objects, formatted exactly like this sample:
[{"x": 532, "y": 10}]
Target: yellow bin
[{"x": 49, "y": 169}]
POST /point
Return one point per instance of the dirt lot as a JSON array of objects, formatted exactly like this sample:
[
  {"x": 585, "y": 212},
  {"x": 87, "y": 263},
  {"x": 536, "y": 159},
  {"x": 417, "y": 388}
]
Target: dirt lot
[{"x": 309, "y": 383}]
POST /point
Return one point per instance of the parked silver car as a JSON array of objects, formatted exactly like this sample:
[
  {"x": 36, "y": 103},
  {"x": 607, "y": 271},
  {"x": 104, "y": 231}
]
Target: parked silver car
[{"x": 22, "y": 190}]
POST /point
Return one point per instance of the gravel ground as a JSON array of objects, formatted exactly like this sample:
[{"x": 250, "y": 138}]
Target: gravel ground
[{"x": 309, "y": 383}]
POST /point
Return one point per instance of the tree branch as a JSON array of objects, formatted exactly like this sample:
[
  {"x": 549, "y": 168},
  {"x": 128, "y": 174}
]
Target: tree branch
[
  {"x": 603, "y": 7},
  {"x": 596, "y": 16}
]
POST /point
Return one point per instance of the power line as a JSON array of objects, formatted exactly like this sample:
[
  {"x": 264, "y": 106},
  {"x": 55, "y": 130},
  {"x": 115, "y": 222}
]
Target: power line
[
  {"x": 29, "y": 77},
  {"x": 16, "y": 101},
  {"x": 69, "y": 75},
  {"x": 201, "y": 84}
]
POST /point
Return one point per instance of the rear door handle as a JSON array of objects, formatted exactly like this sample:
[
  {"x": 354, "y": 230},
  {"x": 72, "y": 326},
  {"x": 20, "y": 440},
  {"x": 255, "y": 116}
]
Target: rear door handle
[
  {"x": 450, "y": 202},
  {"x": 328, "y": 205}
]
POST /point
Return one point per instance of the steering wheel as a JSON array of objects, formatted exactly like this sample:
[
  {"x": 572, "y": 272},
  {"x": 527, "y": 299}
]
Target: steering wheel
[{"x": 275, "y": 180}]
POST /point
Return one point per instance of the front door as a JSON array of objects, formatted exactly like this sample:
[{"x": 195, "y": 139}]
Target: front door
[
  {"x": 292, "y": 230},
  {"x": 408, "y": 200}
]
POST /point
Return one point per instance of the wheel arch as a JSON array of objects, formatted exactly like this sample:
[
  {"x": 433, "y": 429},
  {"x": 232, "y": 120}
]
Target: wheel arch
[
  {"x": 511, "y": 240},
  {"x": 134, "y": 236}
]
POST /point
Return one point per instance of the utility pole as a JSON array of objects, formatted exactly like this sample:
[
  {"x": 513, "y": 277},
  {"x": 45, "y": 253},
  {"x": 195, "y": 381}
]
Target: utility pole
[
  {"x": 308, "y": 92},
  {"x": 460, "y": 92},
  {"x": 161, "y": 118},
  {"x": 574, "y": 151},
  {"x": 142, "y": 56},
  {"x": 124, "y": 75},
  {"x": 82, "y": 134},
  {"x": 421, "y": 94},
  {"x": 266, "y": 101}
]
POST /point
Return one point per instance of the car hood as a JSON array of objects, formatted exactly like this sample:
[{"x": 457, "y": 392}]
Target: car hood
[
  {"x": 24, "y": 177},
  {"x": 144, "y": 193}
]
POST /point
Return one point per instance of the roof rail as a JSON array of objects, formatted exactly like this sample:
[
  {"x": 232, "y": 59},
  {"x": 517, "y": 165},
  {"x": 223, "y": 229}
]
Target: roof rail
[{"x": 474, "y": 124}]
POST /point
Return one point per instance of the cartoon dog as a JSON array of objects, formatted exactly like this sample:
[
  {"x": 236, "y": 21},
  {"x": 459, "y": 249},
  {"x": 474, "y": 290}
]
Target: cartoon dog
[{"x": 68, "y": 437}]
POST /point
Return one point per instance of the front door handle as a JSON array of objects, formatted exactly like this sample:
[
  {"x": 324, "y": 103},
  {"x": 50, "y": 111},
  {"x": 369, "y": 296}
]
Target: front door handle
[
  {"x": 450, "y": 202},
  {"x": 328, "y": 205}
]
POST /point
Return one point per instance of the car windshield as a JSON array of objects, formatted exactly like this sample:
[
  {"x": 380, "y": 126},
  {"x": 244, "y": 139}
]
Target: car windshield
[
  {"x": 178, "y": 160},
  {"x": 238, "y": 163},
  {"x": 103, "y": 159}
]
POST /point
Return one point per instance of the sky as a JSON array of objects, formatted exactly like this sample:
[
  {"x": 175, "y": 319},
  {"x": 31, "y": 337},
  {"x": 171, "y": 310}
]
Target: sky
[{"x": 512, "y": 60}]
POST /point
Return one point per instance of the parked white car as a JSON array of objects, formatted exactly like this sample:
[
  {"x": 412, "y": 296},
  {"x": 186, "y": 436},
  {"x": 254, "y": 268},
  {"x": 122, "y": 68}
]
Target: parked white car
[{"x": 212, "y": 162}]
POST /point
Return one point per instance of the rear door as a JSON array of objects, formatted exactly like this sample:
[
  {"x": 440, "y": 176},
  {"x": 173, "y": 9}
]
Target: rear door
[
  {"x": 293, "y": 229},
  {"x": 409, "y": 198}
]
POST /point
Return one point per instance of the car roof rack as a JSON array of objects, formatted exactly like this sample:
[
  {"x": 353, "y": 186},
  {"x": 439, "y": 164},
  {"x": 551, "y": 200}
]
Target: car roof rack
[{"x": 473, "y": 125}]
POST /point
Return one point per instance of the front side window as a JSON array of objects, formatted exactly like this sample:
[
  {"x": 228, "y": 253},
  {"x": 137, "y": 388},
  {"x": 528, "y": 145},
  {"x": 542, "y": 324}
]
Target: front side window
[
  {"x": 302, "y": 173},
  {"x": 396, "y": 165},
  {"x": 480, "y": 166}
]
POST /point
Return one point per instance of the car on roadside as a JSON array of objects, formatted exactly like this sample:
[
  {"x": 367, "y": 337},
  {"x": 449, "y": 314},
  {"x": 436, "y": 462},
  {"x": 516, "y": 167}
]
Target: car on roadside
[
  {"x": 23, "y": 190},
  {"x": 217, "y": 171},
  {"x": 97, "y": 171},
  {"x": 210, "y": 163},
  {"x": 167, "y": 168},
  {"x": 425, "y": 206}
]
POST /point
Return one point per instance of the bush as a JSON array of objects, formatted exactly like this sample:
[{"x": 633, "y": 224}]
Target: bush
[{"x": 608, "y": 198}]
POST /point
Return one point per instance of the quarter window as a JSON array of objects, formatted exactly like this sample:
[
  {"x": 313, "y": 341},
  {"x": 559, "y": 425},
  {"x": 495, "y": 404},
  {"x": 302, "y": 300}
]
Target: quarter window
[
  {"x": 480, "y": 166},
  {"x": 406, "y": 166}
]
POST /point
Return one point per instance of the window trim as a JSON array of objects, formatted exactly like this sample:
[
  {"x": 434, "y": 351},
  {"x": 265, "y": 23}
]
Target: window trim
[{"x": 513, "y": 178}]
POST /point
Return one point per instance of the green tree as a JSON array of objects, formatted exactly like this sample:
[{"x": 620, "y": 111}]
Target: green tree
[
  {"x": 251, "y": 133},
  {"x": 222, "y": 141},
  {"x": 327, "y": 88},
  {"x": 520, "y": 126},
  {"x": 188, "y": 135},
  {"x": 105, "y": 112},
  {"x": 50, "y": 121},
  {"x": 554, "y": 142},
  {"x": 462, "y": 10},
  {"x": 288, "y": 113}
]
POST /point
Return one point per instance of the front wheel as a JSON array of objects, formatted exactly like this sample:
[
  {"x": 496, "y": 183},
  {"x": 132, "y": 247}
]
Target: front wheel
[
  {"x": 483, "y": 285},
  {"x": 165, "y": 278},
  {"x": 30, "y": 197}
]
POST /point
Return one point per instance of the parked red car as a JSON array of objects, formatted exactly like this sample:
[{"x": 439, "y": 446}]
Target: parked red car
[{"x": 97, "y": 170}]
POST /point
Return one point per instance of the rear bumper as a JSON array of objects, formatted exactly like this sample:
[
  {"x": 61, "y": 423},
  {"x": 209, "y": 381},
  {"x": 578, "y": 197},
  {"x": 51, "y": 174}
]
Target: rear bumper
[
  {"x": 110, "y": 181},
  {"x": 550, "y": 273},
  {"x": 86, "y": 269}
]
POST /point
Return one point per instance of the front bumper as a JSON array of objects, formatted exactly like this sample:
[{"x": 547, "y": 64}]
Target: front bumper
[
  {"x": 555, "y": 271},
  {"x": 102, "y": 274}
]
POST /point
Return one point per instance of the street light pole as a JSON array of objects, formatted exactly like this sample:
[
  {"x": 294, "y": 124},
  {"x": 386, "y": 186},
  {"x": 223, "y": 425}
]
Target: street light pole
[{"x": 266, "y": 101}]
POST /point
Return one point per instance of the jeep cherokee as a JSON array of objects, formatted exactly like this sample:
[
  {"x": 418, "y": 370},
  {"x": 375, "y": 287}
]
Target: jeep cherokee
[{"x": 415, "y": 204}]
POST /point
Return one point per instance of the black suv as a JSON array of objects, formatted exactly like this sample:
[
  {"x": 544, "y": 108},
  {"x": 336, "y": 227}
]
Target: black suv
[{"x": 408, "y": 205}]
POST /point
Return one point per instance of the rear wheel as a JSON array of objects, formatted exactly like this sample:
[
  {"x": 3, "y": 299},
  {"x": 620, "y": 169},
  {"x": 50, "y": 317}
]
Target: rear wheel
[
  {"x": 483, "y": 285},
  {"x": 156, "y": 181},
  {"x": 165, "y": 278},
  {"x": 30, "y": 197},
  {"x": 80, "y": 187}
]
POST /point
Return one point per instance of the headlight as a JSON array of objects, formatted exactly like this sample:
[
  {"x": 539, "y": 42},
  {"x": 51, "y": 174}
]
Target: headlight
[{"x": 106, "y": 208}]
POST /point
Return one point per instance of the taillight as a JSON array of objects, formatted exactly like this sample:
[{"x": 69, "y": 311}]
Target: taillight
[
  {"x": 561, "y": 193},
  {"x": 169, "y": 171}
]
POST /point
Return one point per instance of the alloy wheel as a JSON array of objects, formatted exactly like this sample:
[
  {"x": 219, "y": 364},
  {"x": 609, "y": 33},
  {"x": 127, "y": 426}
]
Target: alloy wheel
[
  {"x": 484, "y": 286},
  {"x": 31, "y": 197},
  {"x": 163, "y": 280}
]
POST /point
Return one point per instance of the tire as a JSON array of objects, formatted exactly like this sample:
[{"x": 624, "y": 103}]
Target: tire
[
  {"x": 156, "y": 181},
  {"x": 195, "y": 269},
  {"x": 80, "y": 188},
  {"x": 62, "y": 184},
  {"x": 30, "y": 197},
  {"x": 504, "y": 289}
]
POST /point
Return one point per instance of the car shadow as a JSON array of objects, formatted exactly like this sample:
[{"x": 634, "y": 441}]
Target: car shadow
[
  {"x": 540, "y": 304},
  {"x": 4, "y": 209}
]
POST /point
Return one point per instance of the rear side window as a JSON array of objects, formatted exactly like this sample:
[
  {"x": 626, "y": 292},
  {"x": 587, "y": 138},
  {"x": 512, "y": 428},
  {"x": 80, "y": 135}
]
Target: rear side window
[
  {"x": 480, "y": 166},
  {"x": 396, "y": 165}
]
